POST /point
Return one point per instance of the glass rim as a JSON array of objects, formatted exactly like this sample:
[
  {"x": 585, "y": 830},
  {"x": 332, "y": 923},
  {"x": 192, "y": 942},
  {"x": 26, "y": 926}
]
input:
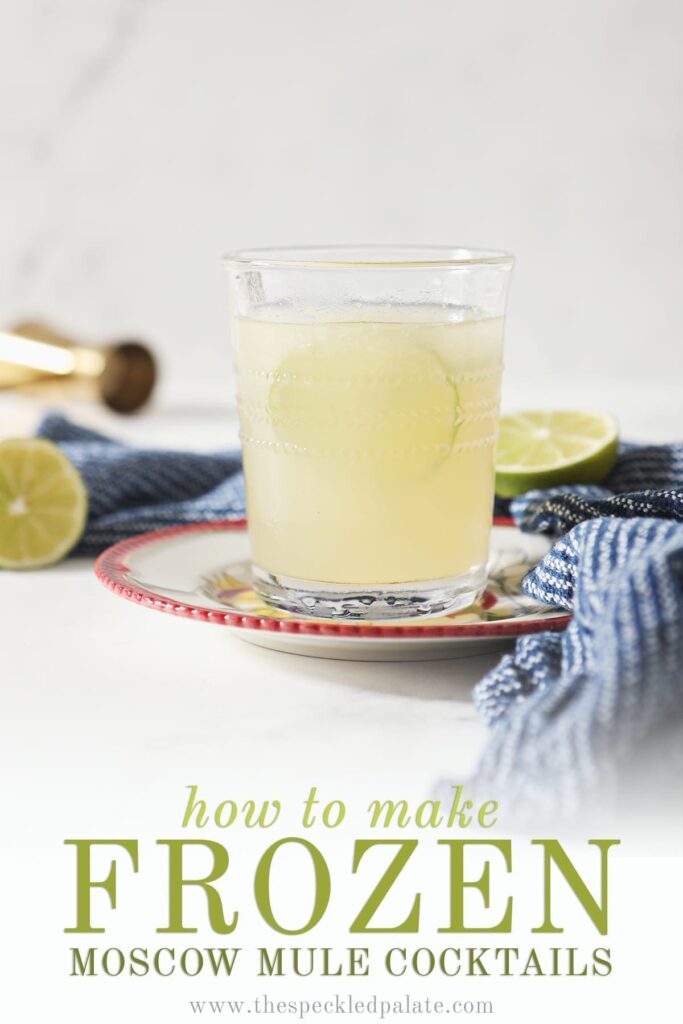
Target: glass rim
[{"x": 366, "y": 257}]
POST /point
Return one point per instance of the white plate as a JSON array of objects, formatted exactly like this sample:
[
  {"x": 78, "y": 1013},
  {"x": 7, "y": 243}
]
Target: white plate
[{"x": 203, "y": 572}]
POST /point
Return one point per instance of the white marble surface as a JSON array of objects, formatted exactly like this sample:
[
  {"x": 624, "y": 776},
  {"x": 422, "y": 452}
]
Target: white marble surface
[
  {"x": 110, "y": 672},
  {"x": 109, "y": 711},
  {"x": 182, "y": 697}
]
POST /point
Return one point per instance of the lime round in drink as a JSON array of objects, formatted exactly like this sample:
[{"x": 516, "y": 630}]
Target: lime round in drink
[
  {"x": 368, "y": 444},
  {"x": 390, "y": 400}
]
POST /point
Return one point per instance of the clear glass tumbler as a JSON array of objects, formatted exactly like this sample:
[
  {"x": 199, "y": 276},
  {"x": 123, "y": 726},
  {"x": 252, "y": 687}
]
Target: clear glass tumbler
[{"x": 368, "y": 386}]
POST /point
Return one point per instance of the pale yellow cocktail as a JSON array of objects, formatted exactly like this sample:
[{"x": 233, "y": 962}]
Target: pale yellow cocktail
[{"x": 368, "y": 444}]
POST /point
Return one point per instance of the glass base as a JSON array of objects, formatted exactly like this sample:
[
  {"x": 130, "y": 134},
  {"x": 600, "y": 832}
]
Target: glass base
[{"x": 359, "y": 601}]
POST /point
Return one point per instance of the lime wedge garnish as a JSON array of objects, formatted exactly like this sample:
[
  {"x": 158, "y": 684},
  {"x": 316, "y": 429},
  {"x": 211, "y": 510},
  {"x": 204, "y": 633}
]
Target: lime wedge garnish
[
  {"x": 377, "y": 398},
  {"x": 545, "y": 449},
  {"x": 43, "y": 504}
]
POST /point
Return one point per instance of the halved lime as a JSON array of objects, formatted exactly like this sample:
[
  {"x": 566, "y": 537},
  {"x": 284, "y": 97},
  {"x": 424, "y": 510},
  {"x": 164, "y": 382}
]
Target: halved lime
[
  {"x": 388, "y": 398},
  {"x": 545, "y": 449},
  {"x": 43, "y": 503}
]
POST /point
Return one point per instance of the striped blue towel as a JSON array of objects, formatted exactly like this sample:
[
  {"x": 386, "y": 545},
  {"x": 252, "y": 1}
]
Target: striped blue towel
[
  {"x": 569, "y": 711},
  {"x": 132, "y": 490}
]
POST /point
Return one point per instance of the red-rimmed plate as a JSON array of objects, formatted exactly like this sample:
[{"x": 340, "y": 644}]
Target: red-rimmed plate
[{"x": 203, "y": 572}]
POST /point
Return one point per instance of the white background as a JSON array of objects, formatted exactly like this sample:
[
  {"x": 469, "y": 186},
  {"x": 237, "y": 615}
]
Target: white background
[{"x": 140, "y": 139}]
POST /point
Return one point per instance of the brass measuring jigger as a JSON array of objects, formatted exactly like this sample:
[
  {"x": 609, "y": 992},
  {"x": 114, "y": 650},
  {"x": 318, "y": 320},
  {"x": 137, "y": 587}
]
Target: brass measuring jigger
[{"x": 120, "y": 374}]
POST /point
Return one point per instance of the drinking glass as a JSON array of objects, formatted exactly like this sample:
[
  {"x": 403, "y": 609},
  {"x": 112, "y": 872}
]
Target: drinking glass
[{"x": 368, "y": 384}]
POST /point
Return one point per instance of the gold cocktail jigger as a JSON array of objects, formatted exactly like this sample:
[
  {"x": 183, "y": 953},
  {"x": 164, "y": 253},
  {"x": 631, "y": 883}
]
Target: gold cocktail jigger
[{"x": 121, "y": 374}]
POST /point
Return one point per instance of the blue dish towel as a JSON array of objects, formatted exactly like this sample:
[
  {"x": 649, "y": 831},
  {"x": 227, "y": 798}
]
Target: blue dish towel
[
  {"x": 569, "y": 712},
  {"x": 132, "y": 490}
]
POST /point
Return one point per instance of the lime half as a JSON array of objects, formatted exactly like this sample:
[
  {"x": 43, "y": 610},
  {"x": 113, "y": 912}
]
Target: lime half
[
  {"x": 43, "y": 504},
  {"x": 545, "y": 449}
]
